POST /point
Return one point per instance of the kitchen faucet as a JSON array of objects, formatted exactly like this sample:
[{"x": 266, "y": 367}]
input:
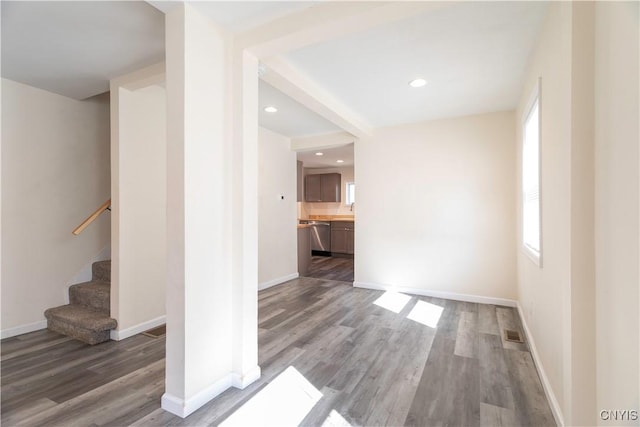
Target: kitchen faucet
[{"x": 351, "y": 209}]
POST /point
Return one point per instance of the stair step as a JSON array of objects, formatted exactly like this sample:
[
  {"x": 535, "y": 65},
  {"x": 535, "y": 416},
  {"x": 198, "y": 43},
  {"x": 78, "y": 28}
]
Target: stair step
[
  {"x": 94, "y": 294},
  {"x": 87, "y": 318},
  {"x": 101, "y": 271},
  {"x": 82, "y": 323}
]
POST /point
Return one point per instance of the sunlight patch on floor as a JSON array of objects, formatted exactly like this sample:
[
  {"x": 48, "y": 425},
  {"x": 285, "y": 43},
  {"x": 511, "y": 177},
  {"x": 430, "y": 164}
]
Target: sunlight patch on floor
[
  {"x": 426, "y": 313},
  {"x": 393, "y": 301},
  {"x": 335, "y": 420},
  {"x": 283, "y": 402}
]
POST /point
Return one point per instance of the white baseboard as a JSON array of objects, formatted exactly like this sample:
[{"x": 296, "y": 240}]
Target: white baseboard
[
  {"x": 242, "y": 381},
  {"x": 438, "y": 294},
  {"x": 183, "y": 408},
  {"x": 118, "y": 335},
  {"x": 277, "y": 281},
  {"x": 546, "y": 385},
  {"x": 23, "y": 329}
]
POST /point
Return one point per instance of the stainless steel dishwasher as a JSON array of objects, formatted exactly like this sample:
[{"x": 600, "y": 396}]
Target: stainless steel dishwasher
[{"x": 320, "y": 235}]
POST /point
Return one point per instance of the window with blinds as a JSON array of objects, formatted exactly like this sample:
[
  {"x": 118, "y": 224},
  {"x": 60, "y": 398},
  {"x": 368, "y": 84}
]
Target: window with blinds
[{"x": 531, "y": 179}]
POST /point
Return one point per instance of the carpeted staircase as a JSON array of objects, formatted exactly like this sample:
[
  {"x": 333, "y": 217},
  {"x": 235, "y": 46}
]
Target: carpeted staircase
[{"x": 87, "y": 317}]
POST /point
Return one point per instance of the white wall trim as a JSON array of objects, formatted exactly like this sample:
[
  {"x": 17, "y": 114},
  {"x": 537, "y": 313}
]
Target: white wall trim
[
  {"x": 546, "y": 385},
  {"x": 147, "y": 76},
  {"x": 327, "y": 140},
  {"x": 277, "y": 281},
  {"x": 287, "y": 79},
  {"x": 183, "y": 408},
  {"x": 241, "y": 381},
  {"x": 118, "y": 335},
  {"x": 23, "y": 329},
  {"x": 438, "y": 294}
]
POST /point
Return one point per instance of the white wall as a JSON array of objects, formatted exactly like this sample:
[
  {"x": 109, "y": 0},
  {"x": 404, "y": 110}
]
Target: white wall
[
  {"x": 139, "y": 209},
  {"x": 243, "y": 236},
  {"x": 328, "y": 208},
  {"x": 617, "y": 212},
  {"x": 455, "y": 181},
  {"x": 198, "y": 292},
  {"x": 542, "y": 292},
  {"x": 277, "y": 237},
  {"x": 581, "y": 306},
  {"x": 55, "y": 172},
  {"x": 580, "y": 358},
  {"x": 212, "y": 212}
]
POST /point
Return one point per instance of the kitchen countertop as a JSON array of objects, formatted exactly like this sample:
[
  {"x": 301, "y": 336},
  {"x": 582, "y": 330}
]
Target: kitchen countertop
[{"x": 347, "y": 218}]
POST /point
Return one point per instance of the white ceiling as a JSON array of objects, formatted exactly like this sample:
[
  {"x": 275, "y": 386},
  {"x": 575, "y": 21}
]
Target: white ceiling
[
  {"x": 328, "y": 158},
  {"x": 292, "y": 119},
  {"x": 74, "y": 48},
  {"x": 238, "y": 16},
  {"x": 473, "y": 55}
]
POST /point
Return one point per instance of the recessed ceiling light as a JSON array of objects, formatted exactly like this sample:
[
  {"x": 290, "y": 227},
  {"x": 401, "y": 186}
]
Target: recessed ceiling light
[
  {"x": 319, "y": 154},
  {"x": 271, "y": 109},
  {"x": 417, "y": 83},
  {"x": 339, "y": 161}
]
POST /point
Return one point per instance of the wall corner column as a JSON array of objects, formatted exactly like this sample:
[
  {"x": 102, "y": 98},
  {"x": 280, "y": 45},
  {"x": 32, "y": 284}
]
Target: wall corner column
[
  {"x": 203, "y": 308},
  {"x": 583, "y": 309},
  {"x": 244, "y": 176}
]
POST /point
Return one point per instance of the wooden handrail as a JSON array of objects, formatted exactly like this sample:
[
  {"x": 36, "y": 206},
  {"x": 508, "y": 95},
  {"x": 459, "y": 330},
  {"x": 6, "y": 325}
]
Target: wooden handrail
[{"x": 92, "y": 217}]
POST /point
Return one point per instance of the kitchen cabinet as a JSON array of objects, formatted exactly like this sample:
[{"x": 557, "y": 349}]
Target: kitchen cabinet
[
  {"x": 304, "y": 250},
  {"x": 330, "y": 187},
  {"x": 300, "y": 181},
  {"x": 312, "y": 190},
  {"x": 342, "y": 237},
  {"x": 324, "y": 187}
]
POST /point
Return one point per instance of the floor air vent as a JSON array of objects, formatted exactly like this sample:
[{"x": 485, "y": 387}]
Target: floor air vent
[
  {"x": 156, "y": 332},
  {"x": 512, "y": 336}
]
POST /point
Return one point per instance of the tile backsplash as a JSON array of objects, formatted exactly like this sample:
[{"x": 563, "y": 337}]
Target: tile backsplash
[{"x": 307, "y": 208}]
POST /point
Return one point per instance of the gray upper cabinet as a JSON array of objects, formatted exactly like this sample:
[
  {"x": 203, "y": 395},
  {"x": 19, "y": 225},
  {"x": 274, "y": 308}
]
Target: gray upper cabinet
[
  {"x": 323, "y": 187},
  {"x": 330, "y": 186},
  {"x": 312, "y": 188}
]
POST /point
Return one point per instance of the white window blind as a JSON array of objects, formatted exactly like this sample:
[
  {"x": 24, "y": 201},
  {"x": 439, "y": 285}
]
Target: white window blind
[{"x": 531, "y": 180}]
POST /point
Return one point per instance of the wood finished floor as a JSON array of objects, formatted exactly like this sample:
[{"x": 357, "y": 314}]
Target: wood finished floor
[
  {"x": 374, "y": 367},
  {"x": 331, "y": 268}
]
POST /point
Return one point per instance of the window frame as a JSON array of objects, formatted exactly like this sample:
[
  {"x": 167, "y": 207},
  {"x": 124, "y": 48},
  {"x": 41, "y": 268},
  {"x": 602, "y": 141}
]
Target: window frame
[
  {"x": 348, "y": 202},
  {"x": 534, "y": 98}
]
